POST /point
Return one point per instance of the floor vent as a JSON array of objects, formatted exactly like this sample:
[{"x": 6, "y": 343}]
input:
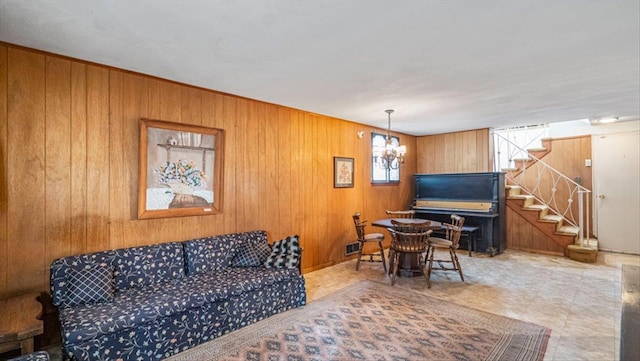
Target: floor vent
[{"x": 351, "y": 248}]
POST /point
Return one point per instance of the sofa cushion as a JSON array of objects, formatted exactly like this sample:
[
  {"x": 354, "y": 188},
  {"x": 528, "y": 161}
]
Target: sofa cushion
[
  {"x": 59, "y": 268},
  {"x": 285, "y": 253},
  {"x": 210, "y": 253},
  {"x": 91, "y": 284},
  {"x": 146, "y": 265},
  {"x": 136, "y": 306},
  {"x": 252, "y": 252},
  {"x": 251, "y": 255}
]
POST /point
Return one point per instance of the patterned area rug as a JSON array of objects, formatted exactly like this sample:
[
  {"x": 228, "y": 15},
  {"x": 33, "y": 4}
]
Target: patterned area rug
[{"x": 374, "y": 321}]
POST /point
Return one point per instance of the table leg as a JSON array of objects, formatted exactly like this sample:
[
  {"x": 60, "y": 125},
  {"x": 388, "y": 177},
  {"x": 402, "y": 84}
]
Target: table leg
[{"x": 26, "y": 346}]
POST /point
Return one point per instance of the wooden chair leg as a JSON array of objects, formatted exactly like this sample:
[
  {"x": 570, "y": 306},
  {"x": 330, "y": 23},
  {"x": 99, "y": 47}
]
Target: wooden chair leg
[
  {"x": 426, "y": 275},
  {"x": 384, "y": 264},
  {"x": 359, "y": 255},
  {"x": 391, "y": 263},
  {"x": 432, "y": 251},
  {"x": 456, "y": 263},
  {"x": 394, "y": 273}
]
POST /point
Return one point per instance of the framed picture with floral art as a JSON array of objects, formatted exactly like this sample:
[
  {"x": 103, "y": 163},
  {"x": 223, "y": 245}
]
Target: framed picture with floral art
[
  {"x": 342, "y": 172},
  {"x": 180, "y": 170}
]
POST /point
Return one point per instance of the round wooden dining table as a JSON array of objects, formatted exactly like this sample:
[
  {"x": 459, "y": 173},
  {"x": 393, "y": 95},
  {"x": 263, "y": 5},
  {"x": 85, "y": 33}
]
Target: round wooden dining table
[
  {"x": 386, "y": 223},
  {"x": 409, "y": 262}
]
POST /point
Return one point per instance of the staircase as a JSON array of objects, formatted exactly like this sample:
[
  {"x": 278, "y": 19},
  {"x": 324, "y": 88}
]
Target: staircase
[
  {"x": 552, "y": 225},
  {"x": 549, "y": 200}
]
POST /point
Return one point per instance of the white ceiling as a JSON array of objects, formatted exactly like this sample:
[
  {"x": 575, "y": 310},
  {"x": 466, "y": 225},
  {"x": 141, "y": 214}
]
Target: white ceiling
[{"x": 442, "y": 65}]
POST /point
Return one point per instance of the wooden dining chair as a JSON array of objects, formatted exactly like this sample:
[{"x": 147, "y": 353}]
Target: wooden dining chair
[
  {"x": 450, "y": 242},
  {"x": 364, "y": 238},
  {"x": 411, "y": 239},
  {"x": 401, "y": 214}
]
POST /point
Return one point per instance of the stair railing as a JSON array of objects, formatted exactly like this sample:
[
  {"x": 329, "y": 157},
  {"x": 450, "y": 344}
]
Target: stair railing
[
  {"x": 563, "y": 196},
  {"x": 525, "y": 137}
]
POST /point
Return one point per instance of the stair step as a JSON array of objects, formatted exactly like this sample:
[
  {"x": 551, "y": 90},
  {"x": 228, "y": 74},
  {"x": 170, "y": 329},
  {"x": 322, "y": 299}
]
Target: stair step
[
  {"x": 533, "y": 150},
  {"x": 513, "y": 190},
  {"x": 518, "y": 196},
  {"x": 509, "y": 169},
  {"x": 537, "y": 207},
  {"x": 530, "y": 202},
  {"x": 552, "y": 218},
  {"x": 568, "y": 230},
  {"x": 522, "y": 159},
  {"x": 591, "y": 243},
  {"x": 582, "y": 254}
]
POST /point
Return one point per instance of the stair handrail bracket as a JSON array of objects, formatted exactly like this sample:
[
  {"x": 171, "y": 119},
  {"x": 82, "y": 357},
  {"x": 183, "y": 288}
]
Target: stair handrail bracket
[{"x": 544, "y": 183}]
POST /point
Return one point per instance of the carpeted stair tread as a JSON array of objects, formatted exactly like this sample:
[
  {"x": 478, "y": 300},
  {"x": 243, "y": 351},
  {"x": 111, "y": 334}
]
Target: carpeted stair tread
[
  {"x": 517, "y": 196},
  {"x": 536, "y": 207},
  {"x": 552, "y": 218},
  {"x": 513, "y": 191},
  {"x": 541, "y": 149},
  {"x": 568, "y": 230}
]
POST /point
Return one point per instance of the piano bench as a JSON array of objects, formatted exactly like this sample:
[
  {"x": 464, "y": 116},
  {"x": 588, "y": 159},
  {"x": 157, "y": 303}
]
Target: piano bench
[{"x": 470, "y": 233}]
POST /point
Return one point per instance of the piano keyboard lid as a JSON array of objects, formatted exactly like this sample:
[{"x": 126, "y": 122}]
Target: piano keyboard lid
[{"x": 454, "y": 205}]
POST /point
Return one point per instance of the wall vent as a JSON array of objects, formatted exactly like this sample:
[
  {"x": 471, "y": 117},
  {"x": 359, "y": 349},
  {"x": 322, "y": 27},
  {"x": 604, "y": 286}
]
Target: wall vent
[{"x": 351, "y": 248}]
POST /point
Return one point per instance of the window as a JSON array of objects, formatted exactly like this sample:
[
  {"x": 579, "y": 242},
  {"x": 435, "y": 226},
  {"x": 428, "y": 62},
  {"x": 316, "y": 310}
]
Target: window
[{"x": 379, "y": 173}]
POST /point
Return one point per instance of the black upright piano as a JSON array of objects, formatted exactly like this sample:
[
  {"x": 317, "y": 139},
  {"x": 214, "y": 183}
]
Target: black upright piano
[{"x": 478, "y": 197}]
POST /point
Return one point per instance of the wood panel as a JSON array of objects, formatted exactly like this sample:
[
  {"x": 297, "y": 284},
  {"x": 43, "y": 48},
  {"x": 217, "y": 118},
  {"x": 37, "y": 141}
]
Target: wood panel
[
  {"x": 25, "y": 168},
  {"x": 98, "y": 181},
  {"x": 72, "y": 152},
  {"x": 459, "y": 152},
  {"x": 78, "y": 171},
  {"x": 4, "y": 207},
  {"x": 524, "y": 236},
  {"x": 58, "y": 159}
]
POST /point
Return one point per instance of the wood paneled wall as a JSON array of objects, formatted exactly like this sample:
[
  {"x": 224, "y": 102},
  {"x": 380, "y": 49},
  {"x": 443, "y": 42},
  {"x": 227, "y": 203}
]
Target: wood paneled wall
[
  {"x": 69, "y": 156},
  {"x": 459, "y": 152}
]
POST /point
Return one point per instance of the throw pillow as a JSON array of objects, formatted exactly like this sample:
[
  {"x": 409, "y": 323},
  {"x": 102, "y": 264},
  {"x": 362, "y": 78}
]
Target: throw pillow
[
  {"x": 210, "y": 253},
  {"x": 285, "y": 253},
  {"x": 251, "y": 255},
  {"x": 93, "y": 284},
  {"x": 292, "y": 257}
]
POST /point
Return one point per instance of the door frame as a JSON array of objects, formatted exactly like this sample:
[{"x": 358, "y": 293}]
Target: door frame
[{"x": 595, "y": 174}]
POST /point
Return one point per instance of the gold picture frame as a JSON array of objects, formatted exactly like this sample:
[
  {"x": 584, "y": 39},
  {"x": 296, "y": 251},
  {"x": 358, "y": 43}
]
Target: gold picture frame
[{"x": 180, "y": 170}]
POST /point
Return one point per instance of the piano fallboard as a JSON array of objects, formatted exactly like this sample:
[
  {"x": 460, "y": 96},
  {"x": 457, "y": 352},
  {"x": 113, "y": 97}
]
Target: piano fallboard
[
  {"x": 479, "y": 197},
  {"x": 448, "y": 204},
  {"x": 458, "y": 211}
]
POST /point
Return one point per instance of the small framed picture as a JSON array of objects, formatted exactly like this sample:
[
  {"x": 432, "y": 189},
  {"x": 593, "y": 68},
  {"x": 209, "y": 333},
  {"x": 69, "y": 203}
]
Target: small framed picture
[{"x": 342, "y": 172}]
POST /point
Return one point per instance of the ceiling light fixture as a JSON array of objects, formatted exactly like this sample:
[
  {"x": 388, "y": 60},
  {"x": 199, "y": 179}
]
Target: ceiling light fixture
[
  {"x": 607, "y": 120},
  {"x": 391, "y": 155}
]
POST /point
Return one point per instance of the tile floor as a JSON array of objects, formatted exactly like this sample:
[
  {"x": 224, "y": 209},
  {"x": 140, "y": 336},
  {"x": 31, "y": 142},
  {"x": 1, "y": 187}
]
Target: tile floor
[{"x": 580, "y": 302}]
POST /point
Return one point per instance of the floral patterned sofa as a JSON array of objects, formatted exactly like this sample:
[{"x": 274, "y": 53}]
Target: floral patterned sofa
[{"x": 151, "y": 302}]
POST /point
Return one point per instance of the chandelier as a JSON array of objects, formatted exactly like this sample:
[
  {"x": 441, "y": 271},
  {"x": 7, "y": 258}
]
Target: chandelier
[{"x": 391, "y": 154}]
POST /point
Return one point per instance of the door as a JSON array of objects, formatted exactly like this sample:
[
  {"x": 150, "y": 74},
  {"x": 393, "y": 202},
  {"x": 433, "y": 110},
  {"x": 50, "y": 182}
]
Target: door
[{"x": 616, "y": 174}]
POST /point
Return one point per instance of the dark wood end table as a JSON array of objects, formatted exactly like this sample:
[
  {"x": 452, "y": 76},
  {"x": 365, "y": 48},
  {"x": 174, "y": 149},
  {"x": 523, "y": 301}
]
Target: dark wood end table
[{"x": 19, "y": 323}]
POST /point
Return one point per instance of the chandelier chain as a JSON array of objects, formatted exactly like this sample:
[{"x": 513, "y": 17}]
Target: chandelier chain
[{"x": 391, "y": 155}]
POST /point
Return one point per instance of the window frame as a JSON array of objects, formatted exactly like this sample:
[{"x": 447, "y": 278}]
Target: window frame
[{"x": 374, "y": 166}]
